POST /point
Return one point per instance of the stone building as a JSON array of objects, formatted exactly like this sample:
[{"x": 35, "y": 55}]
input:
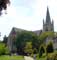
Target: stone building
[
  {"x": 48, "y": 25},
  {"x": 12, "y": 38}
]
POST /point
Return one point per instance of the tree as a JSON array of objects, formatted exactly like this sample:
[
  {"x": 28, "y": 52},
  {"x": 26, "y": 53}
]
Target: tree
[
  {"x": 28, "y": 48},
  {"x": 26, "y": 36},
  {"x": 2, "y": 48},
  {"x": 7, "y": 52},
  {"x": 5, "y": 40},
  {"x": 41, "y": 50},
  {"x": 3, "y": 5},
  {"x": 49, "y": 48}
]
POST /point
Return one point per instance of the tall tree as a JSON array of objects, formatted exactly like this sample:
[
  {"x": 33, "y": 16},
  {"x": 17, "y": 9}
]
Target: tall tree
[
  {"x": 3, "y": 5},
  {"x": 5, "y": 40}
]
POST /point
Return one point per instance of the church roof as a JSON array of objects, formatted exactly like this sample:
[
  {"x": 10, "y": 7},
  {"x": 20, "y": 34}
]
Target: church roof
[
  {"x": 38, "y": 32},
  {"x": 17, "y": 30}
]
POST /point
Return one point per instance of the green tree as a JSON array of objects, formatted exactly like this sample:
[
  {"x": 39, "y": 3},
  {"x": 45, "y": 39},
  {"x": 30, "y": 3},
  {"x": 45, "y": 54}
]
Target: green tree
[
  {"x": 28, "y": 48},
  {"x": 2, "y": 48},
  {"x": 35, "y": 42},
  {"x": 41, "y": 50},
  {"x": 49, "y": 48},
  {"x": 26, "y": 36},
  {"x": 7, "y": 52},
  {"x": 5, "y": 40}
]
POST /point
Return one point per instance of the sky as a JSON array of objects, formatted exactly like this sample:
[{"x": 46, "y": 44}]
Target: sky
[{"x": 28, "y": 15}]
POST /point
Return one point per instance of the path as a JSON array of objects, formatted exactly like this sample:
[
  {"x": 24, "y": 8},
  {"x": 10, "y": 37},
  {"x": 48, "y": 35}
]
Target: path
[{"x": 28, "y": 58}]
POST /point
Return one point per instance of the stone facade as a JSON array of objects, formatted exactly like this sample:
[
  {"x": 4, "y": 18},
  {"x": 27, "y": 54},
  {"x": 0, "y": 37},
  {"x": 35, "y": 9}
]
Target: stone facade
[{"x": 12, "y": 38}]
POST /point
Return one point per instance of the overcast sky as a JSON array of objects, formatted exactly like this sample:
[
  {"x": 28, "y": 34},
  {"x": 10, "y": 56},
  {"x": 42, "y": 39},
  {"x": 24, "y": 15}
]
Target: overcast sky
[{"x": 27, "y": 14}]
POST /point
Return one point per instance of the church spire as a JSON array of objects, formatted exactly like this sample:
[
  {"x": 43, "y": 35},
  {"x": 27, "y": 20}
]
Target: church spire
[
  {"x": 48, "y": 16},
  {"x": 48, "y": 25}
]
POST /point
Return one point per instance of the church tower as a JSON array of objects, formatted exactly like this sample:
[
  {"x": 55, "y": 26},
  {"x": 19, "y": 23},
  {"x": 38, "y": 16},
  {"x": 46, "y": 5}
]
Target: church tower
[{"x": 48, "y": 25}]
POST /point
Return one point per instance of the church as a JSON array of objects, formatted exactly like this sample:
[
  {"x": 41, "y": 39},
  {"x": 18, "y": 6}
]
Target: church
[{"x": 48, "y": 25}]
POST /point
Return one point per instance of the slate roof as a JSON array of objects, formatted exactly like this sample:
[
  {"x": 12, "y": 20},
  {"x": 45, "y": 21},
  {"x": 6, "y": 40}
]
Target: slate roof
[
  {"x": 38, "y": 32},
  {"x": 16, "y": 30}
]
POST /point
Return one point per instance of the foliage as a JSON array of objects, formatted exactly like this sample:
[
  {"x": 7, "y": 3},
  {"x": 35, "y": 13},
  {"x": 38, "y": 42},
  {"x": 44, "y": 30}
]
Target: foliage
[
  {"x": 44, "y": 35},
  {"x": 35, "y": 42},
  {"x": 35, "y": 51},
  {"x": 26, "y": 36},
  {"x": 49, "y": 48},
  {"x": 5, "y": 40},
  {"x": 2, "y": 48},
  {"x": 52, "y": 56},
  {"x": 28, "y": 48},
  {"x": 3, "y": 5},
  {"x": 7, "y": 52},
  {"x": 41, "y": 50}
]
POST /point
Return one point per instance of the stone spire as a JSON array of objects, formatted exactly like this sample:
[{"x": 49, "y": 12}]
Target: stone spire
[
  {"x": 48, "y": 20},
  {"x": 48, "y": 25}
]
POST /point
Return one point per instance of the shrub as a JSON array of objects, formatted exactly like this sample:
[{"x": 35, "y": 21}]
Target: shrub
[
  {"x": 34, "y": 51},
  {"x": 28, "y": 48},
  {"x": 41, "y": 51},
  {"x": 49, "y": 48},
  {"x": 7, "y": 52},
  {"x": 52, "y": 56},
  {"x": 2, "y": 49}
]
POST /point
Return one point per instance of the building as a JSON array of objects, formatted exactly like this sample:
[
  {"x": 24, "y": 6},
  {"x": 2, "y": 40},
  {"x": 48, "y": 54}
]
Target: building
[
  {"x": 48, "y": 25},
  {"x": 12, "y": 38}
]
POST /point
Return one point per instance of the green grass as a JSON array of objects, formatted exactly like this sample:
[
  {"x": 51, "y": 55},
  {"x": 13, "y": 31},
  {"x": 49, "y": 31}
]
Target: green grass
[{"x": 11, "y": 58}]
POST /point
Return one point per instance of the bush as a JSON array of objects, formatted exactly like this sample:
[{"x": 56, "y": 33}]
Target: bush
[
  {"x": 41, "y": 51},
  {"x": 49, "y": 48},
  {"x": 34, "y": 51},
  {"x": 2, "y": 49},
  {"x": 28, "y": 48},
  {"x": 7, "y": 52},
  {"x": 52, "y": 56}
]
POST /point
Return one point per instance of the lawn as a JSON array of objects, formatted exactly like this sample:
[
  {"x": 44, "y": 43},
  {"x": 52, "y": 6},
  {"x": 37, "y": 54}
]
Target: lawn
[{"x": 11, "y": 58}]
